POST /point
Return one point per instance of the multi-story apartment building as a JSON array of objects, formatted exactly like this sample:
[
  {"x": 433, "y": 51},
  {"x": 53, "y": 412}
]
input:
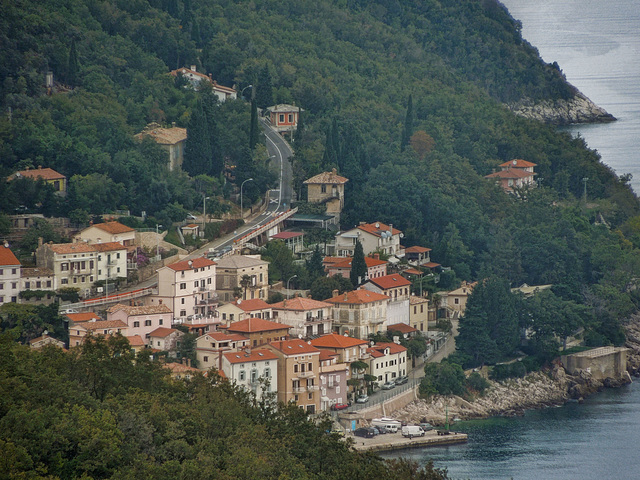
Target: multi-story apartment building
[
  {"x": 141, "y": 320},
  {"x": 307, "y": 317},
  {"x": 211, "y": 346},
  {"x": 255, "y": 370},
  {"x": 232, "y": 272},
  {"x": 333, "y": 380},
  {"x": 388, "y": 361},
  {"x": 359, "y": 313},
  {"x": 10, "y": 271},
  {"x": 258, "y": 330},
  {"x": 188, "y": 288},
  {"x": 398, "y": 289},
  {"x": 374, "y": 237},
  {"x": 298, "y": 373}
]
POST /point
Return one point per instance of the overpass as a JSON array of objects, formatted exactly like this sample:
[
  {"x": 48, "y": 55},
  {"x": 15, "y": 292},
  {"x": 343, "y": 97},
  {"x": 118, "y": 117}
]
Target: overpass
[{"x": 261, "y": 232}]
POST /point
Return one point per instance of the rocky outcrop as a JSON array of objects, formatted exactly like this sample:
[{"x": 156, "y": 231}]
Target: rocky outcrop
[
  {"x": 578, "y": 109},
  {"x": 513, "y": 397},
  {"x": 632, "y": 331}
]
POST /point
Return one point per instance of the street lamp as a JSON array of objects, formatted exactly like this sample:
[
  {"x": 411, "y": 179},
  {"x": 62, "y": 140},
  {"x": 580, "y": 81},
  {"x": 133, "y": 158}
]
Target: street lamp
[
  {"x": 242, "y": 91},
  {"x": 158, "y": 238},
  {"x": 242, "y": 185},
  {"x": 294, "y": 276}
]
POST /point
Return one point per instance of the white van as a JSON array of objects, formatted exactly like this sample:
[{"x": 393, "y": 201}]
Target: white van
[
  {"x": 411, "y": 431},
  {"x": 389, "y": 423}
]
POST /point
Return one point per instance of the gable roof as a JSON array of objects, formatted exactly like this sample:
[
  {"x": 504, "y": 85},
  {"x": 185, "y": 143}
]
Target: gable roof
[
  {"x": 89, "y": 326},
  {"x": 299, "y": 304},
  {"x": 240, "y": 261},
  {"x": 7, "y": 257},
  {"x": 164, "y": 136},
  {"x": 511, "y": 173},
  {"x": 416, "y": 300},
  {"x": 248, "y": 356},
  {"x": 113, "y": 227},
  {"x": 44, "y": 173},
  {"x": 346, "y": 262},
  {"x": 191, "y": 264},
  {"x": 221, "y": 336},
  {"x": 293, "y": 347},
  {"x": 83, "y": 317},
  {"x": 135, "y": 341},
  {"x": 333, "y": 340},
  {"x": 377, "y": 228},
  {"x": 390, "y": 281},
  {"x": 518, "y": 163},
  {"x": 393, "y": 348},
  {"x": 252, "y": 304},
  {"x": 108, "y": 246},
  {"x": 253, "y": 325},
  {"x": 327, "y": 177},
  {"x": 402, "y": 328},
  {"x": 162, "y": 332},
  {"x": 36, "y": 272},
  {"x": 357, "y": 297},
  {"x": 416, "y": 249},
  {"x": 66, "y": 248}
]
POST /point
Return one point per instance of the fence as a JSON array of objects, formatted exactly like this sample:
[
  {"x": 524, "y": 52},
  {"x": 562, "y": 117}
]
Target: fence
[{"x": 384, "y": 396}]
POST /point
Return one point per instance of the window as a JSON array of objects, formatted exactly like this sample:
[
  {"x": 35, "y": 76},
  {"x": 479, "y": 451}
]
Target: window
[
  {"x": 290, "y": 118},
  {"x": 205, "y": 359},
  {"x": 195, "y": 284},
  {"x": 183, "y": 286},
  {"x": 14, "y": 299},
  {"x": 75, "y": 279},
  {"x": 183, "y": 313},
  {"x": 224, "y": 316},
  {"x": 136, "y": 324},
  {"x": 64, "y": 281},
  {"x": 1, "y": 286},
  {"x": 64, "y": 266},
  {"x": 267, "y": 373},
  {"x": 310, "y": 396},
  {"x": 160, "y": 322},
  {"x": 456, "y": 301},
  {"x": 49, "y": 282},
  {"x": 117, "y": 255},
  {"x": 281, "y": 118},
  {"x": 337, "y": 390},
  {"x": 295, "y": 368},
  {"x": 147, "y": 323},
  {"x": 182, "y": 301},
  {"x": 1, "y": 299},
  {"x": 27, "y": 285},
  {"x": 242, "y": 375}
]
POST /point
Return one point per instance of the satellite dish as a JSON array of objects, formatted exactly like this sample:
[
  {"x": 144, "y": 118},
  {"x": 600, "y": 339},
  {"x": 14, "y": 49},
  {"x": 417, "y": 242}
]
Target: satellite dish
[
  {"x": 377, "y": 225},
  {"x": 300, "y": 336},
  {"x": 514, "y": 162}
]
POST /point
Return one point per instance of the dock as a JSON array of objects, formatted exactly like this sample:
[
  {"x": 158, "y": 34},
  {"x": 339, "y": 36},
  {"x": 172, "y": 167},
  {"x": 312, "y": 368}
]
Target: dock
[{"x": 395, "y": 441}]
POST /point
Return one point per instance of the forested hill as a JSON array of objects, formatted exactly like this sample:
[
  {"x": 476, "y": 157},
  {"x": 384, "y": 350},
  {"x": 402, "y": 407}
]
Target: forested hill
[{"x": 403, "y": 98}]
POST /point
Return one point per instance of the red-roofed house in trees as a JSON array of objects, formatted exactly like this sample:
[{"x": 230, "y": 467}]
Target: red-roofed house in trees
[
  {"x": 79, "y": 331},
  {"x": 514, "y": 174},
  {"x": 10, "y": 271},
  {"x": 398, "y": 289},
  {"x": 373, "y": 237},
  {"x": 388, "y": 361},
  {"x": 327, "y": 188},
  {"x": 249, "y": 368},
  {"x": 298, "y": 372},
  {"x": 284, "y": 118},
  {"x": 195, "y": 78},
  {"x": 163, "y": 338},
  {"x": 359, "y": 313},
  {"x": 188, "y": 288},
  {"x": 375, "y": 267},
  {"x": 48, "y": 175},
  {"x": 306, "y": 316}
]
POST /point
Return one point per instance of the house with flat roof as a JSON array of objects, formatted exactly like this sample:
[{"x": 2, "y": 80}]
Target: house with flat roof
[{"x": 294, "y": 241}]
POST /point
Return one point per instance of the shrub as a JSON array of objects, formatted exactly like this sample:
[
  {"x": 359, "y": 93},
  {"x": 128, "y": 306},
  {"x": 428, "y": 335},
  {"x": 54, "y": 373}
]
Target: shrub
[{"x": 477, "y": 382}]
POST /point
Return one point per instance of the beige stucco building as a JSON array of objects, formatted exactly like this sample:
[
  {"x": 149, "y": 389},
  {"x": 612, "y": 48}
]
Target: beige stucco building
[
  {"x": 373, "y": 237},
  {"x": 172, "y": 140},
  {"x": 419, "y": 313},
  {"x": 307, "y": 317},
  {"x": 327, "y": 188},
  {"x": 210, "y": 347},
  {"x": 107, "y": 232},
  {"x": 233, "y": 268},
  {"x": 359, "y": 313}
]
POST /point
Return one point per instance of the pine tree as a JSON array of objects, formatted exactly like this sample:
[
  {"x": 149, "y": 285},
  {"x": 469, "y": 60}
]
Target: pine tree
[
  {"x": 332, "y": 146},
  {"x": 197, "y": 154},
  {"x": 358, "y": 266},
  {"x": 254, "y": 131},
  {"x": 72, "y": 65},
  {"x": 407, "y": 131},
  {"x": 315, "y": 266}
]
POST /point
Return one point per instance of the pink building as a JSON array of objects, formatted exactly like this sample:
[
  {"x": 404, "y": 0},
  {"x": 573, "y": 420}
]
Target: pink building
[
  {"x": 514, "y": 174},
  {"x": 141, "y": 320},
  {"x": 163, "y": 338}
]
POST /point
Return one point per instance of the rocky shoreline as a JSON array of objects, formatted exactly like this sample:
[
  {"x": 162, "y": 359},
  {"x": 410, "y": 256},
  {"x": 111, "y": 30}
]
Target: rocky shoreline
[
  {"x": 537, "y": 390},
  {"x": 578, "y": 109}
]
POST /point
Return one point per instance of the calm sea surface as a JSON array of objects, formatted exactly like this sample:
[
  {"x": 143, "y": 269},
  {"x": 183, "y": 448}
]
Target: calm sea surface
[{"x": 597, "y": 45}]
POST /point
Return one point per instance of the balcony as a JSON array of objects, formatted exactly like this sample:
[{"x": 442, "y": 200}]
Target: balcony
[
  {"x": 298, "y": 389},
  {"x": 306, "y": 374},
  {"x": 313, "y": 388}
]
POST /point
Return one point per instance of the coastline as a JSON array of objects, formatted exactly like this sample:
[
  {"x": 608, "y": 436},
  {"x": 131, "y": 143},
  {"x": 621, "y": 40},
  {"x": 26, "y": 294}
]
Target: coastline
[{"x": 578, "y": 109}]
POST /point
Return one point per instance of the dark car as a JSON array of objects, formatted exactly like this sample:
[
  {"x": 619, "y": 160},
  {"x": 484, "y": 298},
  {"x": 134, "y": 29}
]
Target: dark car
[
  {"x": 339, "y": 406},
  {"x": 381, "y": 430},
  {"x": 401, "y": 380},
  {"x": 365, "y": 432}
]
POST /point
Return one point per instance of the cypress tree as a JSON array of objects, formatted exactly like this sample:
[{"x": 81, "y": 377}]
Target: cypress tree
[
  {"x": 264, "y": 89},
  {"x": 197, "y": 152},
  {"x": 358, "y": 266},
  {"x": 407, "y": 131},
  {"x": 254, "y": 131},
  {"x": 72, "y": 64}
]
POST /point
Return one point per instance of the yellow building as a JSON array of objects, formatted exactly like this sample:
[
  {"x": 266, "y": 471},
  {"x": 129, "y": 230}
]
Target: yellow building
[{"x": 49, "y": 175}]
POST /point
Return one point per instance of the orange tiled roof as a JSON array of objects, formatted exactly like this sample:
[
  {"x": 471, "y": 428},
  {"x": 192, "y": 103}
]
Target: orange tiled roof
[
  {"x": 185, "y": 70},
  {"x": 83, "y": 317},
  {"x": 136, "y": 341},
  {"x": 113, "y": 227},
  {"x": 44, "y": 173},
  {"x": 293, "y": 347},
  {"x": 220, "y": 336},
  {"x": 252, "y": 305},
  {"x": 299, "y": 304},
  {"x": 358, "y": 297},
  {"x": 390, "y": 281},
  {"x": 402, "y": 328},
  {"x": 7, "y": 257},
  {"x": 191, "y": 264},
  {"x": 430, "y": 265},
  {"x": 108, "y": 246},
  {"x": 393, "y": 347},
  {"x": 412, "y": 271},
  {"x": 162, "y": 332},
  {"x": 327, "y": 177},
  {"x": 377, "y": 228},
  {"x": 346, "y": 262},
  {"x": 416, "y": 300},
  {"x": 333, "y": 340},
  {"x": 518, "y": 163},
  {"x": 252, "y": 325},
  {"x": 510, "y": 174},
  {"x": 250, "y": 356},
  {"x": 103, "y": 324},
  {"x": 327, "y": 355},
  {"x": 417, "y": 249},
  {"x": 67, "y": 248},
  {"x": 222, "y": 88}
]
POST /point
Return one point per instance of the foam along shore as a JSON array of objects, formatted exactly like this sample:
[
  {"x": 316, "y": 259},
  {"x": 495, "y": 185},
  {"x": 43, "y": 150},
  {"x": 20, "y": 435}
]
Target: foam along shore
[{"x": 395, "y": 441}]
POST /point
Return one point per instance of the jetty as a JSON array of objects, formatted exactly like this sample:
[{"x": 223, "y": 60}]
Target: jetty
[{"x": 395, "y": 441}]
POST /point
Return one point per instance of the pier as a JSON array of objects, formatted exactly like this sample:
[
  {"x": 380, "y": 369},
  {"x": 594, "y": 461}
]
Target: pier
[{"x": 395, "y": 441}]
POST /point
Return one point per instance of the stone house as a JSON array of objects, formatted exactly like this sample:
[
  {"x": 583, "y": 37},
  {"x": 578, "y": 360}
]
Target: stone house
[
  {"x": 172, "y": 140},
  {"x": 327, "y": 188}
]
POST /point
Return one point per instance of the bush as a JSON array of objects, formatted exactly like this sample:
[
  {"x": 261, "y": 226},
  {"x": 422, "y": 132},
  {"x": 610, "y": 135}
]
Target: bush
[
  {"x": 477, "y": 382},
  {"x": 443, "y": 378},
  {"x": 508, "y": 370}
]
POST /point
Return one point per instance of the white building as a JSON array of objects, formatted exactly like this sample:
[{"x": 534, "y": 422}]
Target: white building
[
  {"x": 255, "y": 370},
  {"x": 10, "y": 271},
  {"x": 307, "y": 317},
  {"x": 112, "y": 260},
  {"x": 398, "y": 289},
  {"x": 374, "y": 237},
  {"x": 188, "y": 288},
  {"x": 388, "y": 361}
]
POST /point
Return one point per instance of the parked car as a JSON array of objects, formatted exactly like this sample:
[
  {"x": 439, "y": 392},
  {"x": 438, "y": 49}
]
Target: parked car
[
  {"x": 389, "y": 385},
  {"x": 411, "y": 431},
  {"x": 362, "y": 399},
  {"x": 365, "y": 432},
  {"x": 381, "y": 429},
  {"x": 426, "y": 426},
  {"x": 339, "y": 406},
  {"x": 191, "y": 217},
  {"x": 401, "y": 380}
]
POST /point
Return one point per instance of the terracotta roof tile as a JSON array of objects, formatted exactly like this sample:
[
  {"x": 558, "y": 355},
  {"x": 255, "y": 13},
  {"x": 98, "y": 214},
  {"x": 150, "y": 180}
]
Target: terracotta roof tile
[
  {"x": 83, "y": 317},
  {"x": 390, "y": 281},
  {"x": 89, "y": 326},
  {"x": 245, "y": 356},
  {"x": 252, "y": 305},
  {"x": 44, "y": 173},
  {"x": 135, "y": 341},
  {"x": 162, "y": 332},
  {"x": 293, "y": 347},
  {"x": 358, "y": 297},
  {"x": 401, "y": 327},
  {"x": 108, "y": 246},
  {"x": 327, "y": 177},
  {"x": 221, "y": 337},
  {"x": 299, "y": 304},
  {"x": 393, "y": 347},
  {"x": 113, "y": 227},
  {"x": 191, "y": 264},
  {"x": 7, "y": 257},
  {"x": 510, "y": 174},
  {"x": 417, "y": 249},
  {"x": 416, "y": 300},
  {"x": 251, "y": 325},
  {"x": 377, "y": 228},
  {"x": 346, "y": 262},
  {"x": 180, "y": 368},
  {"x": 68, "y": 248},
  {"x": 333, "y": 340},
  {"x": 518, "y": 163}
]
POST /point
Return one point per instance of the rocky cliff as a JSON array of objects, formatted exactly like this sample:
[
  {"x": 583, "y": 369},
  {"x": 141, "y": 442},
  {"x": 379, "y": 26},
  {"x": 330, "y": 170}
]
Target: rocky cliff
[{"x": 578, "y": 109}]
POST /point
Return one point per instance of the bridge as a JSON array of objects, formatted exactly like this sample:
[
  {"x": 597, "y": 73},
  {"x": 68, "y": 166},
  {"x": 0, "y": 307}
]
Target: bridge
[{"x": 261, "y": 232}]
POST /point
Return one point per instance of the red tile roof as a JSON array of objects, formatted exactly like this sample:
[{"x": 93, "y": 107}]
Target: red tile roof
[
  {"x": 327, "y": 177},
  {"x": 346, "y": 262},
  {"x": 377, "y": 228},
  {"x": 162, "y": 332},
  {"x": 333, "y": 340},
  {"x": 390, "y": 281},
  {"x": 135, "y": 341},
  {"x": 220, "y": 336},
  {"x": 67, "y": 248},
  {"x": 7, "y": 257},
  {"x": 108, "y": 246},
  {"x": 299, "y": 304},
  {"x": 518, "y": 163},
  {"x": 412, "y": 271},
  {"x": 417, "y": 249},
  {"x": 113, "y": 227},
  {"x": 191, "y": 264},
  {"x": 393, "y": 347},
  {"x": 287, "y": 235},
  {"x": 82, "y": 317},
  {"x": 252, "y": 325},
  {"x": 402, "y": 328},
  {"x": 510, "y": 174},
  {"x": 327, "y": 355},
  {"x": 180, "y": 368},
  {"x": 250, "y": 356},
  {"x": 357, "y": 297},
  {"x": 252, "y": 305},
  {"x": 44, "y": 173},
  {"x": 293, "y": 347},
  {"x": 431, "y": 265},
  {"x": 416, "y": 300}
]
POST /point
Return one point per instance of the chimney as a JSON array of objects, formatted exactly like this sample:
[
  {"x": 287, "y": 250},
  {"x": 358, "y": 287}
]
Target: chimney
[
  {"x": 376, "y": 256},
  {"x": 334, "y": 293},
  {"x": 193, "y": 68},
  {"x": 346, "y": 297}
]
